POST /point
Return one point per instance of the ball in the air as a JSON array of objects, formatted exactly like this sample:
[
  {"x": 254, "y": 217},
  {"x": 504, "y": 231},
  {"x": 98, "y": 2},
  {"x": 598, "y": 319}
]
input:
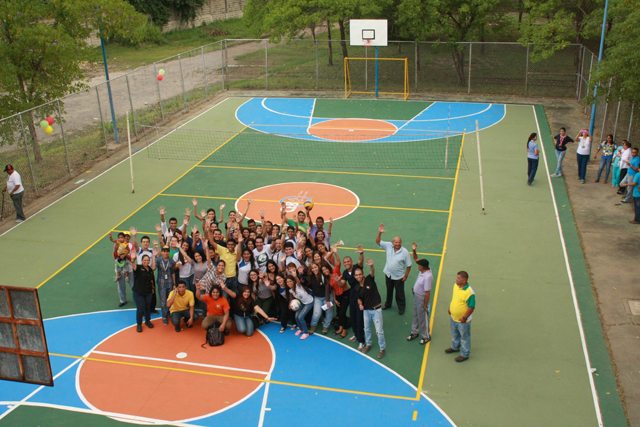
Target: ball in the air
[
  {"x": 294, "y": 305},
  {"x": 308, "y": 205},
  {"x": 48, "y": 129}
]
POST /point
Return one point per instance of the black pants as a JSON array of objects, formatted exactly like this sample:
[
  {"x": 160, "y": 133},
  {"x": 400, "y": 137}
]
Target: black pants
[
  {"x": 357, "y": 317},
  {"x": 342, "y": 310},
  {"x": 399, "y": 287},
  {"x": 285, "y": 313},
  {"x": 143, "y": 307},
  {"x": 623, "y": 173},
  {"x": 17, "y": 204}
]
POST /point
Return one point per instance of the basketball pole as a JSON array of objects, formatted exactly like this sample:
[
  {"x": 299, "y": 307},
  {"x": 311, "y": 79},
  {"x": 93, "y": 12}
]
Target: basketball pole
[{"x": 376, "y": 71}]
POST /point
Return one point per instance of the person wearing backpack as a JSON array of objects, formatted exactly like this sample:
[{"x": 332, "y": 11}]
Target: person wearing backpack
[{"x": 218, "y": 308}]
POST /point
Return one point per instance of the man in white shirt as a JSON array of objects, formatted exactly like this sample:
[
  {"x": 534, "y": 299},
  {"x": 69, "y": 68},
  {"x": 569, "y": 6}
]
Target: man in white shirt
[
  {"x": 421, "y": 294},
  {"x": 625, "y": 158},
  {"x": 16, "y": 191}
]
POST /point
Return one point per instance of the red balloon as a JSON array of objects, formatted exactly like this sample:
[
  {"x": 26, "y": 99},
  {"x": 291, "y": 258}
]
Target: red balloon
[
  {"x": 49, "y": 120},
  {"x": 160, "y": 77}
]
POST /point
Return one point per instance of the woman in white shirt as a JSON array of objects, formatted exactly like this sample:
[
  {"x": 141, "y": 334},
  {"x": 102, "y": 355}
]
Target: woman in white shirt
[{"x": 584, "y": 149}]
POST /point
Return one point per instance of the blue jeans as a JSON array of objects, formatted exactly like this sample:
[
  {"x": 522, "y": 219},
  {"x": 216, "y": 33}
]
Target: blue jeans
[
  {"x": 376, "y": 316},
  {"x": 532, "y": 168},
  {"x": 143, "y": 307},
  {"x": 244, "y": 324},
  {"x": 185, "y": 314},
  {"x": 560, "y": 158},
  {"x": 582, "y": 165},
  {"x": 461, "y": 333},
  {"x": 317, "y": 312},
  {"x": 164, "y": 291},
  {"x": 605, "y": 161},
  {"x": 300, "y": 315}
]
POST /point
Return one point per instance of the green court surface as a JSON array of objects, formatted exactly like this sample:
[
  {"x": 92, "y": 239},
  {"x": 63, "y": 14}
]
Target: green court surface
[{"x": 527, "y": 367}]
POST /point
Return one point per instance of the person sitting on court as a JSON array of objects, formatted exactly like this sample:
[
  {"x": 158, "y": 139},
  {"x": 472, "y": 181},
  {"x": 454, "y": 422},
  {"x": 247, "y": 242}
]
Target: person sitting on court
[
  {"x": 218, "y": 308},
  {"x": 181, "y": 303},
  {"x": 243, "y": 310}
]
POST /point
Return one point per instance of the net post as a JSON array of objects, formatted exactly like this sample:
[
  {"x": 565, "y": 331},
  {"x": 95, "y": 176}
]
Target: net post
[
  {"x": 480, "y": 167},
  {"x": 407, "y": 86},
  {"x": 376, "y": 71},
  {"x": 133, "y": 188},
  {"x": 133, "y": 113}
]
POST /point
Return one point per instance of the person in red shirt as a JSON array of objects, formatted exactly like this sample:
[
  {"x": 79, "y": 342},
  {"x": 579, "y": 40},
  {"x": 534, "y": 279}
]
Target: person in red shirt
[{"x": 218, "y": 308}]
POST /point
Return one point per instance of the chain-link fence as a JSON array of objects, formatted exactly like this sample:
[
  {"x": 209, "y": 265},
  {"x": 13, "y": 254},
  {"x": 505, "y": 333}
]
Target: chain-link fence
[{"x": 89, "y": 125}]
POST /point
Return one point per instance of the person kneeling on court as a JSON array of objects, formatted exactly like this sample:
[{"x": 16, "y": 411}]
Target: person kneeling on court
[
  {"x": 218, "y": 309},
  {"x": 243, "y": 310},
  {"x": 181, "y": 304}
]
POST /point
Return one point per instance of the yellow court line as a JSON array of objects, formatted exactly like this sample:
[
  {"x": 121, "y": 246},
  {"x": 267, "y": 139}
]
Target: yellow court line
[
  {"x": 134, "y": 212},
  {"x": 335, "y": 172},
  {"x": 190, "y": 196},
  {"x": 435, "y": 295},
  {"x": 237, "y": 377},
  {"x": 340, "y": 247}
]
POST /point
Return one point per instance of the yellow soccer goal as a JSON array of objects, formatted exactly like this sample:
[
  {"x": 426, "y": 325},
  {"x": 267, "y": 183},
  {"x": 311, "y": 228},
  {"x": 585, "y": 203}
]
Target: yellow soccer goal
[{"x": 390, "y": 78}]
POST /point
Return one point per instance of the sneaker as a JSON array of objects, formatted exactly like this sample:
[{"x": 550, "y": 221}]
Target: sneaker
[
  {"x": 122, "y": 304},
  {"x": 624, "y": 201},
  {"x": 294, "y": 327},
  {"x": 165, "y": 321},
  {"x": 583, "y": 181},
  {"x": 382, "y": 353},
  {"x": 312, "y": 329},
  {"x": 19, "y": 220},
  {"x": 139, "y": 328},
  {"x": 597, "y": 180},
  {"x": 401, "y": 312},
  {"x": 555, "y": 175},
  {"x": 324, "y": 331},
  {"x": 282, "y": 330},
  {"x": 352, "y": 339},
  {"x": 149, "y": 325},
  {"x": 361, "y": 346},
  {"x": 461, "y": 358},
  {"x": 450, "y": 350},
  {"x": 366, "y": 349},
  {"x": 298, "y": 332},
  {"x": 423, "y": 341},
  {"x": 304, "y": 336},
  {"x": 178, "y": 329},
  {"x": 155, "y": 312}
]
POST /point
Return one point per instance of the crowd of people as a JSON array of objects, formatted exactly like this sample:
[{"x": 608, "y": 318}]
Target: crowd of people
[
  {"x": 620, "y": 162},
  {"x": 250, "y": 273}
]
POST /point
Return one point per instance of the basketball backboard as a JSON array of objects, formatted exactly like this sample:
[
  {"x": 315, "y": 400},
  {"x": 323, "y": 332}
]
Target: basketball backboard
[{"x": 368, "y": 32}]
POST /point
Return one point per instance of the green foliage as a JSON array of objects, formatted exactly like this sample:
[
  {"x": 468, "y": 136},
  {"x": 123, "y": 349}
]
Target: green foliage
[
  {"x": 552, "y": 25},
  {"x": 157, "y": 10},
  {"x": 621, "y": 63},
  {"x": 186, "y": 9}
]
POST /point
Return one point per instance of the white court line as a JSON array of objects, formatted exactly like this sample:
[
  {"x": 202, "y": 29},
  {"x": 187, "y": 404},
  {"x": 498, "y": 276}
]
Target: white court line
[
  {"x": 417, "y": 115},
  {"x": 459, "y": 117},
  {"x": 573, "y": 288},
  {"x": 284, "y": 114},
  {"x": 155, "y": 359},
  {"x": 33, "y": 393},
  {"x": 311, "y": 116},
  {"x": 264, "y": 403},
  {"x": 117, "y": 164}
]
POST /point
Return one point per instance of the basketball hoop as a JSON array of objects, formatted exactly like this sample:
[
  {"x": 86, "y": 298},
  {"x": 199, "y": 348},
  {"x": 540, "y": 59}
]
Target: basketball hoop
[{"x": 366, "y": 42}]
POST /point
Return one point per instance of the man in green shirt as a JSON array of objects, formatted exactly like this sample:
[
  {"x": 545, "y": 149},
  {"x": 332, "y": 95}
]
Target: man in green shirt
[{"x": 300, "y": 224}]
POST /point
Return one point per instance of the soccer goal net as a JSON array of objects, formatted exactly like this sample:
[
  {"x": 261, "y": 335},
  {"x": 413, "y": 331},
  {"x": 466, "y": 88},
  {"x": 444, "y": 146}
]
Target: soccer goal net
[{"x": 360, "y": 76}]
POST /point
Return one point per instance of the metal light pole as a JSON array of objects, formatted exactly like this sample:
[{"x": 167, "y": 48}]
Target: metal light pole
[
  {"x": 106, "y": 72},
  {"x": 595, "y": 90}
]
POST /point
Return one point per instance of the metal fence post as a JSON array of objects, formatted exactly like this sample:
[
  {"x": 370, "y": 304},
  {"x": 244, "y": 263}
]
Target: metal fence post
[
  {"x": 222, "y": 63},
  {"x": 581, "y": 73},
  {"x": 204, "y": 75},
  {"x": 469, "y": 85},
  {"x": 633, "y": 104},
  {"x": 26, "y": 146},
  {"x": 184, "y": 93},
  {"x": 226, "y": 62},
  {"x": 104, "y": 130},
  {"x": 155, "y": 71},
  {"x": 64, "y": 138},
  {"x": 266, "y": 63},
  {"x": 317, "y": 68},
  {"x": 526, "y": 77},
  {"x": 133, "y": 112},
  {"x": 415, "y": 53}
]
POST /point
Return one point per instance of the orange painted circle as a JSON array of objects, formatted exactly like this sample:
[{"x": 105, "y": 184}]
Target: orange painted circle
[
  {"x": 140, "y": 387},
  {"x": 329, "y": 201},
  {"x": 352, "y": 129}
]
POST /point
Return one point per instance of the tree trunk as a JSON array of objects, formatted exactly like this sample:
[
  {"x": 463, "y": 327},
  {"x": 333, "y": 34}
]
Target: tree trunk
[
  {"x": 418, "y": 55},
  {"x": 37, "y": 155},
  {"x": 458, "y": 62},
  {"x": 329, "y": 41},
  {"x": 343, "y": 37},
  {"x": 313, "y": 31}
]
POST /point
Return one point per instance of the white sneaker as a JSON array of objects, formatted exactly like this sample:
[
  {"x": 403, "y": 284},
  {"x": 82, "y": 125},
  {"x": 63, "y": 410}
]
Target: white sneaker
[
  {"x": 360, "y": 347},
  {"x": 555, "y": 175},
  {"x": 19, "y": 220}
]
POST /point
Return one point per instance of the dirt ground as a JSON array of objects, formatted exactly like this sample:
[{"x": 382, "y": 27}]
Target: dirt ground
[{"x": 610, "y": 243}]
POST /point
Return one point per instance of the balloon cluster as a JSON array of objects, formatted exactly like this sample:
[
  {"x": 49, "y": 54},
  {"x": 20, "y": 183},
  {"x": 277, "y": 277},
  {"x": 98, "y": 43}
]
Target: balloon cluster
[
  {"x": 46, "y": 124},
  {"x": 160, "y": 74}
]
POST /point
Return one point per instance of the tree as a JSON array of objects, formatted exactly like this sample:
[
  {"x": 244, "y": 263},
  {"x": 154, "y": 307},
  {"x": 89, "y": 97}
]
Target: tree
[
  {"x": 552, "y": 25},
  {"x": 621, "y": 63},
  {"x": 449, "y": 21},
  {"x": 42, "y": 43}
]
